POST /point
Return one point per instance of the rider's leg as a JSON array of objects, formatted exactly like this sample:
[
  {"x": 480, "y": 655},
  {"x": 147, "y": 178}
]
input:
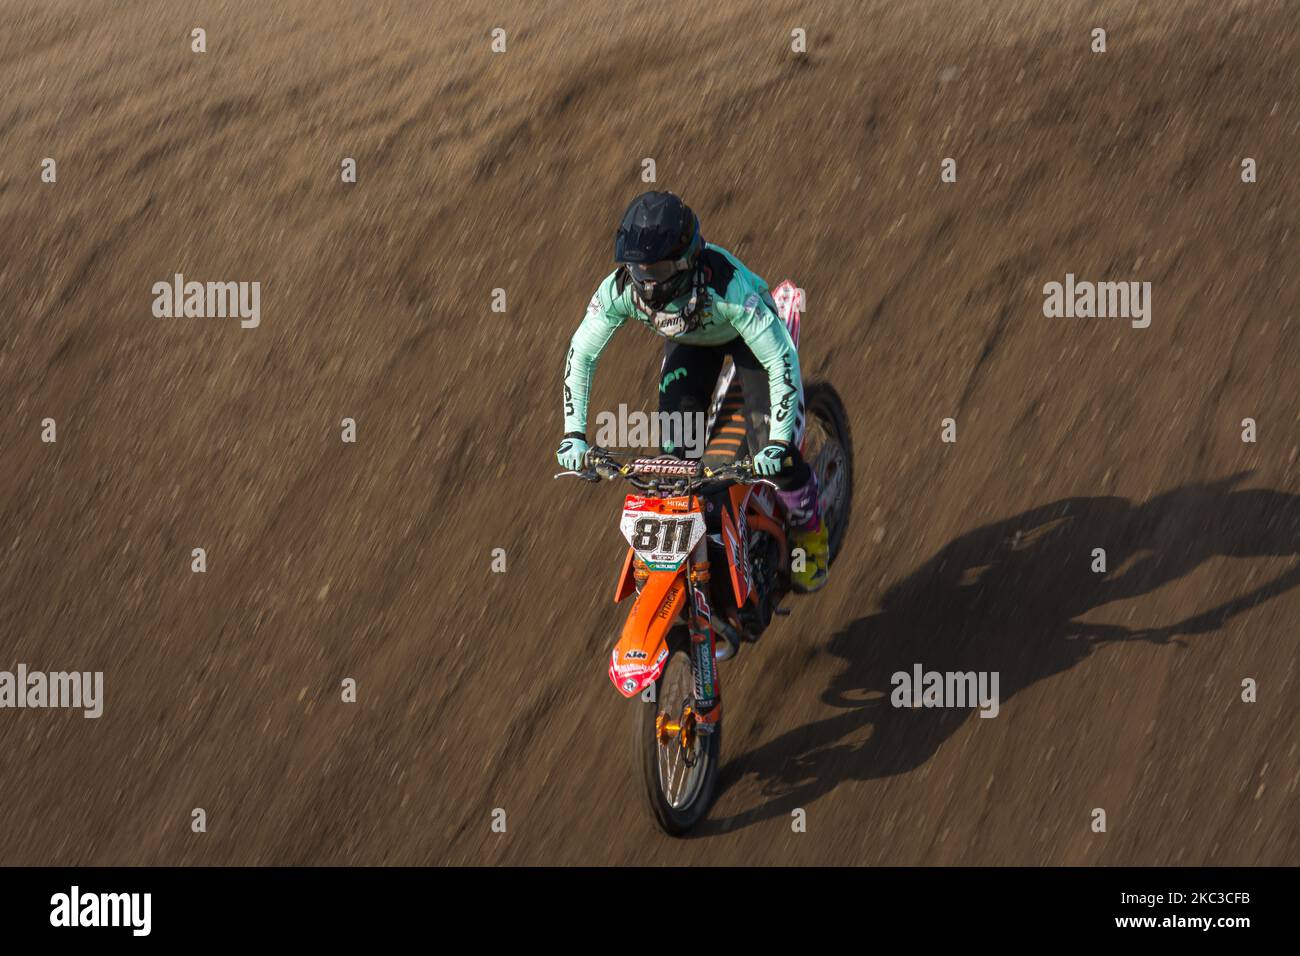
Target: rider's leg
[
  {"x": 686, "y": 380},
  {"x": 796, "y": 484}
]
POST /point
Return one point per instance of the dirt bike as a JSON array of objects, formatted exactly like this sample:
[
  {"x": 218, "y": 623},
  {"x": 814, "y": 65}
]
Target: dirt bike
[{"x": 669, "y": 648}]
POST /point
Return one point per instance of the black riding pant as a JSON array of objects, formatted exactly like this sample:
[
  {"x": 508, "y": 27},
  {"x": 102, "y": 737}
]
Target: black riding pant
[{"x": 686, "y": 383}]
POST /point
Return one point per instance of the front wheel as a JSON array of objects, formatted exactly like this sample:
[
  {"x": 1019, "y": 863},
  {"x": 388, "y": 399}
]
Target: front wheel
[{"x": 679, "y": 766}]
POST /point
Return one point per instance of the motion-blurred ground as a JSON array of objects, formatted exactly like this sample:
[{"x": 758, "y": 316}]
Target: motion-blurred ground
[{"x": 480, "y": 171}]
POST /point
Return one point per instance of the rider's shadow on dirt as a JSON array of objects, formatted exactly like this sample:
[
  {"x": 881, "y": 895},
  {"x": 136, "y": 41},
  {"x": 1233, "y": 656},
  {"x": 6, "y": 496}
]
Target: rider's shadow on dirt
[{"x": 1007, "y": 597}]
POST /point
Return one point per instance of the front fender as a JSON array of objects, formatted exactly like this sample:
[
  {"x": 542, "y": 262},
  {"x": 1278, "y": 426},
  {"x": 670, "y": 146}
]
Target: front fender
[{"x": 638, "y": 658}]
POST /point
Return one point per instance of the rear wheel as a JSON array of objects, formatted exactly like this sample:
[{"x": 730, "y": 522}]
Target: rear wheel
[
  {"x": 679, "y": 766},
  {"x": 828, "y": 449}
]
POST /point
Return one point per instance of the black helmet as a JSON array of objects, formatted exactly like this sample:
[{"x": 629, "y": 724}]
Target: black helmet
[{"x": 659, "y": 244}]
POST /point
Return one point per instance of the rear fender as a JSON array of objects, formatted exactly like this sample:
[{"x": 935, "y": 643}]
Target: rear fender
[
  {"x": 789, "y": 305},
  {"x": 638, "y": 658}
]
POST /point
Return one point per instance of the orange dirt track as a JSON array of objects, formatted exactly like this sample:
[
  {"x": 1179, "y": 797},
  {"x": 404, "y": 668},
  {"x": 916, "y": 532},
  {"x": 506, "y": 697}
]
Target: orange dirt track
[{"x": 479, "y": 171}]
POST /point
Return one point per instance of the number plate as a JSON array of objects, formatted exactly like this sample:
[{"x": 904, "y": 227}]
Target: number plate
[{"x": 662, "y": 531}]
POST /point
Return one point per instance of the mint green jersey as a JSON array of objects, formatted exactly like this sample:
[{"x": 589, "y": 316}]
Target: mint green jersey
[{"x": 729, "y": 302}]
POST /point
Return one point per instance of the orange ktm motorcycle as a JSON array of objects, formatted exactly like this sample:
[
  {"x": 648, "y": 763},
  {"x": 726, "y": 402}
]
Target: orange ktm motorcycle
[{"x": 709, "y": 565}]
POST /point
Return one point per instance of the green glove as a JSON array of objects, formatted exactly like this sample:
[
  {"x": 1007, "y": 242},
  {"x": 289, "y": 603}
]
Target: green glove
[
  {"x": 572, "y": 453},
  {"x": 772, "y": 459}
]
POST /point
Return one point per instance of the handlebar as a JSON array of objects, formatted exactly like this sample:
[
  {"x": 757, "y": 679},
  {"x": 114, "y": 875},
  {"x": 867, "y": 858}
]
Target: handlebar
[{"x": 665, "y": 475}]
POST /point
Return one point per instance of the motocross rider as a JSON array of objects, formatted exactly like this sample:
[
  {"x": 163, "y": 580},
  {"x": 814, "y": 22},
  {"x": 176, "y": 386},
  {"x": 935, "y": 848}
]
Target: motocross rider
[{"x": 707, "y": 306}]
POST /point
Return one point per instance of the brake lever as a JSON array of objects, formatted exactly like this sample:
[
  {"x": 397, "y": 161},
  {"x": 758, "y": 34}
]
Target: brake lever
[
  {"x": 740, "y": 474},
  {"x": 584, "y": 475}
]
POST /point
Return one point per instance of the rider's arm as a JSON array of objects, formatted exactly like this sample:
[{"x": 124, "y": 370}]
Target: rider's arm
[
  {"x": 598, "y": 326},
  {"x": 767, "y": 337}
]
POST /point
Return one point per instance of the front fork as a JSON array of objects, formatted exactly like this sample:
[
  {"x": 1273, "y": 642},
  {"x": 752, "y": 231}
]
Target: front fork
[{"x": 704, "y": 664}]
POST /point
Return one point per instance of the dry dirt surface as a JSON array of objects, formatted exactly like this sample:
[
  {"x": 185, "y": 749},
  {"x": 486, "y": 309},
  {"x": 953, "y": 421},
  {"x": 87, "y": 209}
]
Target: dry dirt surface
[{"x": 478, "y": 170}]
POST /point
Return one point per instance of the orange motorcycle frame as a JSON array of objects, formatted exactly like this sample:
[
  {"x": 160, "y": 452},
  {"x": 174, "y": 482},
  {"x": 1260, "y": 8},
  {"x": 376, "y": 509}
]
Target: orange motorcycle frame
[{"x": 669, "y": 597}]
